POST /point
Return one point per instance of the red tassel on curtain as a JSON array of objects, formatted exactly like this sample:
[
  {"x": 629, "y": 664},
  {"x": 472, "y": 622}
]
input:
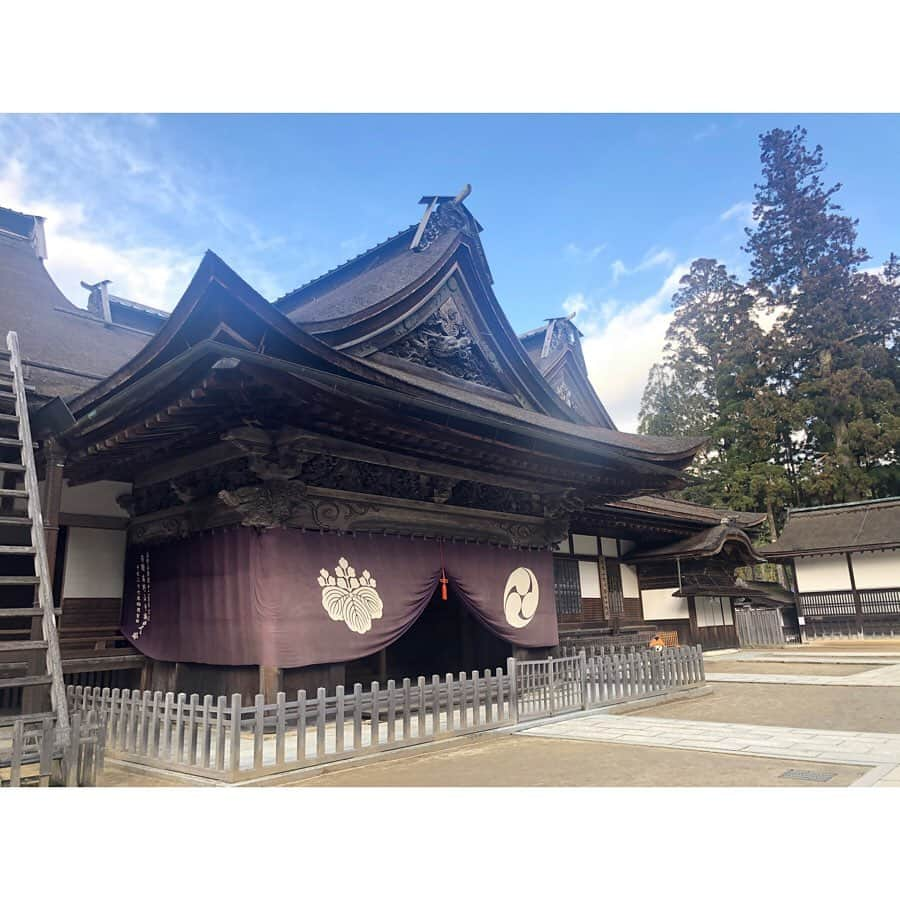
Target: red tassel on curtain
[{"x": 443, "y": 578}]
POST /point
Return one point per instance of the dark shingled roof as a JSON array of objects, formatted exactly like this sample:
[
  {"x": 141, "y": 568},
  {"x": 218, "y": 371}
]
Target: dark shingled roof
[
  {"x": 704, "y": 543},
  {"x": 865, "y": 525},
  {"x": 78, "y": 348},
  {"x": 360, "y": 284},
  {"x": 694, "y": 512}
]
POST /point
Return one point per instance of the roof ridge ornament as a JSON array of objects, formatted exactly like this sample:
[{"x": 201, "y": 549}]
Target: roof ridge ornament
[{"x": 448, "y": 215}]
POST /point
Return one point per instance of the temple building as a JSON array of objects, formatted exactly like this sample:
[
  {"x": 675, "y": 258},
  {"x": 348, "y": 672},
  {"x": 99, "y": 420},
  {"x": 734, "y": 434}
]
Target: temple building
[
  {"x": 373, "y": 476},
  {"x": 843, "y": 563}
]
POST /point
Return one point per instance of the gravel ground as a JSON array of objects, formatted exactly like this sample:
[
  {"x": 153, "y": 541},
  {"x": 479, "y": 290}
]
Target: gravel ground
[
  {"x": 788, "y": 668},
  {"x": 794, "y": 706},
  {"x": 513, "y": 761}
]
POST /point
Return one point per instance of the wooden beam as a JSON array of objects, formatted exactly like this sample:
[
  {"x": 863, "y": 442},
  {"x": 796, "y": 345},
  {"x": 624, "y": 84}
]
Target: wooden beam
[{"x": 78, "y": 520}]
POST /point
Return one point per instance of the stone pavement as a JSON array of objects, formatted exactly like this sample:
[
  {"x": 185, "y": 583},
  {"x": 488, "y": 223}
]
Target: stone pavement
[{"x": 881, "y": 751}]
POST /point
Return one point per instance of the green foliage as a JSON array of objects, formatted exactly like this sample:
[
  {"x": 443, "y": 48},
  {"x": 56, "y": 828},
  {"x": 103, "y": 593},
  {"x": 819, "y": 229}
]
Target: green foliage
[{"x": 808, "y": 412}]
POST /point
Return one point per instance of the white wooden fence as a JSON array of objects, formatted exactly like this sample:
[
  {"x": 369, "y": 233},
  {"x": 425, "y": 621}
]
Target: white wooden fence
[
  {"x": 219, "y": 738},
  {"x": 32, "y": 754},
  {"x": 222, "y": 739},
  {"x": 597, "y": 677}
]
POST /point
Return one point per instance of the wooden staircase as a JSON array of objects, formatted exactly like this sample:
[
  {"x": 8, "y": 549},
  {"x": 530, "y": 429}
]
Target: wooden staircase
[{"x": 31, "y": 676}]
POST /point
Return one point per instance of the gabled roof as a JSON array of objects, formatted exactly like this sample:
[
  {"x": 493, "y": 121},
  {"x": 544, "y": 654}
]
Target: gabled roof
[
  {"x": 369, "y": 305},
  {"x": 863, "y": 525},
  {"x": 220, "y": 315},
  {"x": 64, "y": 348},
  {"x": 709, "y": 542},
  {"x": 555, "y": 348},
  {"x": 691, "y": 512}
]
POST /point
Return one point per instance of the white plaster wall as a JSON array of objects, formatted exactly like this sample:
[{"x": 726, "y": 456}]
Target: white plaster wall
[
  {"x": 589, "y": 576},
  {"x": 95, "y": 563},
  {"x": 822, "y": 573},
  {"x": 95, "y": 499},
  {"x": 879, "y": 569},
  {"x": 660, "y": 604},
  {"x": 629, "y": 581},
  {"x": 584, "y": 544},
  {"x": 609, "y": 547}
]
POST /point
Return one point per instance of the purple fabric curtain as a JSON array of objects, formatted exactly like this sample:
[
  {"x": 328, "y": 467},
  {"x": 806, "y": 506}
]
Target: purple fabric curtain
[{"x": 288, "y": 598}]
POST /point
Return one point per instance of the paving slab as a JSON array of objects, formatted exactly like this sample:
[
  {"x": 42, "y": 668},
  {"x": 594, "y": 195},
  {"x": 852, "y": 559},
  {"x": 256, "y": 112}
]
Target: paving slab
[{"x": 780, "y": 742}]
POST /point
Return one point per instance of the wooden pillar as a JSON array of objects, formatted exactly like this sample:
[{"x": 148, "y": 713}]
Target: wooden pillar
[
  {"x": 51, "y": 499},
  {"x": 692, "y": 617},
  {"x": 857, "y": 603},
  {"x": 270, "y": 682}
]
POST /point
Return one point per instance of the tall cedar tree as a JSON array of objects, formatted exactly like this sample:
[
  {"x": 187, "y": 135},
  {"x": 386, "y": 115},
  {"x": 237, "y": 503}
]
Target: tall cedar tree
[
  {"x": 808, "y": 412},
  {"x": 711, "y": 372},
  {"x": 838, "y": 367}
]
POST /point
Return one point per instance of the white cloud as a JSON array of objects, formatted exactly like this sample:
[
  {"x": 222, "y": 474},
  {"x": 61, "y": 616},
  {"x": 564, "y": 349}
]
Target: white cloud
[
  {"x": 153, "y": 275},
  {"x": 622, "y": 343},
  {"x": 652, "y": 259},
  {"x": 741, "y": 212},
  {"x": 707, "y": 131},
  {"x": 583, "y": 253}
]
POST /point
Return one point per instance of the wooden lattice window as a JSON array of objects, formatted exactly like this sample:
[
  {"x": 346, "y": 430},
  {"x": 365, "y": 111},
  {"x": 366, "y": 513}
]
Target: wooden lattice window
[
  {"x": 614, "y": 581},
  {"x": 567, "y": 586}
]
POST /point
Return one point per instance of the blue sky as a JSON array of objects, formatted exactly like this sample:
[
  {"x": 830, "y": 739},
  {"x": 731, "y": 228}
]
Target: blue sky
[{"x": 596, "y": 213}]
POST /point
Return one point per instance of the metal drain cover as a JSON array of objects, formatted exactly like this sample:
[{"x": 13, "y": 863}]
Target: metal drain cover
[{"x": 807, "y": 775}]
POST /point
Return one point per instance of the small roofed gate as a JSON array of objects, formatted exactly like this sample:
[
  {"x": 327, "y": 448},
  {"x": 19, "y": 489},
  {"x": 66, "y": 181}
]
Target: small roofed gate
[{"x": 758, "y": 627}]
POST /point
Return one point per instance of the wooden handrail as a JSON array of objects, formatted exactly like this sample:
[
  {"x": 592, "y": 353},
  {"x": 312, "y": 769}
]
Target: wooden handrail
[{"x": 42, "y": 569}]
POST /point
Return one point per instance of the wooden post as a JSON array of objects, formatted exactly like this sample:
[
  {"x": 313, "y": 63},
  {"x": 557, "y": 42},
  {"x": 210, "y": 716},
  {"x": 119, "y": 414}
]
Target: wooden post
[
  {"x": 407, "y": 698},
  {"x": 320, "y": 723},
  {"x": 270, "y": 682},
  {"x": 51, "y": 499},
  {"x": 420, "y": 684},
  {"x": 391, "y": 711},
  {"x": 373, "y": 719},
  {"x": 301, "y": 726},
  {"x": 357, "y": 717},
  {"x": 259, "y": 720},
  {"x": 857, "y": 603},
  {"x": 513, "y": 690},
  {"x": 280, "y": 723},
  {"x": 235, "y": 733},
  {"x": 221, "y": 706},
  {"x": 339, "y": 720}
]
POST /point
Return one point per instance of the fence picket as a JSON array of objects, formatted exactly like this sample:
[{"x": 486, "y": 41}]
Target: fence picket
[
  {"x": 206, "y": 739},
  {"x": 192, "y": 730},
  {"x": 220, "y": 733},
  {"x": 373, "y": 720},
  {"x": 405, "y": 707},
  {"x": 391, "y": 711},
  {"x": 435, "y": 705},
  {"x": 235, "y": 733},
  {"x": 179, "y": 728},
  {"x": 301, "y": 726},
  {"x": 451, "y": 718},
  {"x": 339, "y": 719},
  {"x": 357, "y": 717},
  {"x": 420, "y": 724},
  {"x": 280, "y": 722},
  {"x": 320, "y": 723}
]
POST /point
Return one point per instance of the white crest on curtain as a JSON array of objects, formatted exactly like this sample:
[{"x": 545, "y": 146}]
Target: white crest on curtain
[
  {"x": 350, "y": 599},
  {"x": 520, "y": 597}
]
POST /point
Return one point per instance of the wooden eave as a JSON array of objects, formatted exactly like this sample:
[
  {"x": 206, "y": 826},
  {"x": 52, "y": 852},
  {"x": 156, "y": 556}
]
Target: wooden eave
[{"x": 178, "y": 408}]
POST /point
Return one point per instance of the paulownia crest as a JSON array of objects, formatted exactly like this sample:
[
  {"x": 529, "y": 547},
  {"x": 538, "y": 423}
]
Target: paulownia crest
[{"x": 349, "y": 598}]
